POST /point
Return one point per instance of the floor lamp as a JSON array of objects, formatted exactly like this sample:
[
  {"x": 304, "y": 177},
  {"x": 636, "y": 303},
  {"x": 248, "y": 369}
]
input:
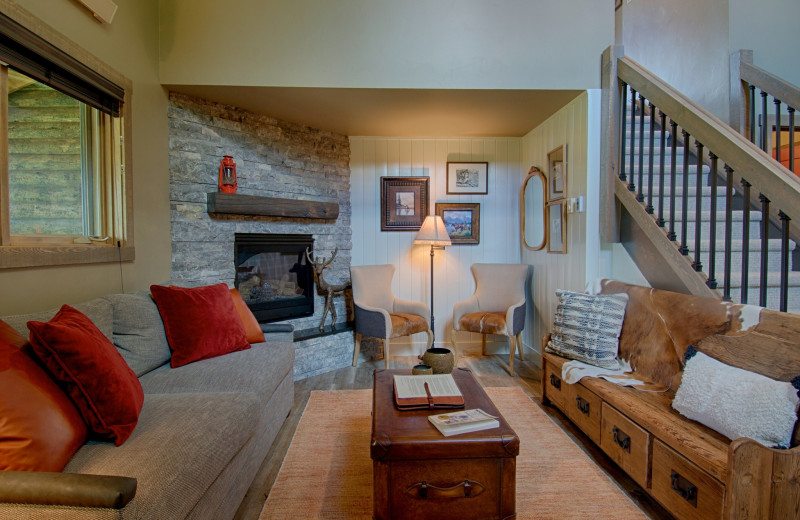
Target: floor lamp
[{"x": 433, "y": 232}]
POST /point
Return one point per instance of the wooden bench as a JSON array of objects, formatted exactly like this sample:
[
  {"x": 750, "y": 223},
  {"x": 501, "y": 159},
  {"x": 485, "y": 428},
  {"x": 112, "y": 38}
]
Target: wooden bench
[{"x": 690, "y": 469}]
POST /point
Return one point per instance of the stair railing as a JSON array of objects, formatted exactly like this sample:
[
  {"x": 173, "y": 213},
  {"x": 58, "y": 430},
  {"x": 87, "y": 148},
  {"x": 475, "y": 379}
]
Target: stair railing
[
  {"x": 747, "y": 170},
  {"x": 752, "y": 87}
]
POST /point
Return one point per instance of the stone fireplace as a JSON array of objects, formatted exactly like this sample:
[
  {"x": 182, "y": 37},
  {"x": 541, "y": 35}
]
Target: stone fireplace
[{"x": 276, "y": 160}]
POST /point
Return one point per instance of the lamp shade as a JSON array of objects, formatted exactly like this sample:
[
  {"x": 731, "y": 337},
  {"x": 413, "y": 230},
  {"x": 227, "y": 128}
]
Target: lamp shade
[{"x": 433, "y": 232}]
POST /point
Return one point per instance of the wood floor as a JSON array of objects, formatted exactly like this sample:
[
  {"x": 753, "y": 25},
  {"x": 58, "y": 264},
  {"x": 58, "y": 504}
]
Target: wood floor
[{"x": 489, "y": 370}]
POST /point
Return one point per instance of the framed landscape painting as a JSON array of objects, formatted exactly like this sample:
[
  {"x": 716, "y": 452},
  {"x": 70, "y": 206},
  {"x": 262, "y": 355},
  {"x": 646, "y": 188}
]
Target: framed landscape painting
[
  {"x": 462, "y": 221},
  {"x": 468, "y": 177},
  {"x": 404, "y": 203}
]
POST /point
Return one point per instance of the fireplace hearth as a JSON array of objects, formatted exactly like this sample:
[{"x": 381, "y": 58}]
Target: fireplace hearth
[{"x": 273, "y": 275}]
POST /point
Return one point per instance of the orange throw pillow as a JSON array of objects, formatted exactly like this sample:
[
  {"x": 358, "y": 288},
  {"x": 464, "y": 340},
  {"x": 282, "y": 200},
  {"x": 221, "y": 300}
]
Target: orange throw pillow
[
  {"x": 251, "y": 327},
  {"x": 40, "y": 428},
  {"x": 91, "y": 371},
  {"x": 200, "y": 322}
]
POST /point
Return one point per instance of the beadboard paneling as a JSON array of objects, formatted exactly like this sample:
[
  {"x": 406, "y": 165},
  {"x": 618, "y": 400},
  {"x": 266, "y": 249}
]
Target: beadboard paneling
[
  {"x": 374, "y": 157},
  {"x": 571, "y": 126}
]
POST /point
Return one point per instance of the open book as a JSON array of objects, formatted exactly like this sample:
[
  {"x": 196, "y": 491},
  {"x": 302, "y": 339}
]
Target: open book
[
  {"x": 438, "y": 391},
  {"x": 463, "y": 421}
]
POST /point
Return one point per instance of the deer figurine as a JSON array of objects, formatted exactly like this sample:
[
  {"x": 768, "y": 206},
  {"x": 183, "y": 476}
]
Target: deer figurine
[{"x": 329, "y": 290}]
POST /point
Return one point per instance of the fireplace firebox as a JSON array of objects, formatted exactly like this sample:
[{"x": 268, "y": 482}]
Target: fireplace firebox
[{"x": 273, "y": 275}]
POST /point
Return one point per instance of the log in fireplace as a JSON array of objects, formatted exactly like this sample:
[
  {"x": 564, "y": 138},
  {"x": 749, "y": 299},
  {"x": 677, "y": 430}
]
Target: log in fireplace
[{"x": 273, "y": 275}]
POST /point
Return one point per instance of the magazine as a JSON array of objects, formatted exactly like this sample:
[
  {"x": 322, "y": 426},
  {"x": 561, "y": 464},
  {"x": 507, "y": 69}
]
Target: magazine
[{"x": 464, "y": 421}]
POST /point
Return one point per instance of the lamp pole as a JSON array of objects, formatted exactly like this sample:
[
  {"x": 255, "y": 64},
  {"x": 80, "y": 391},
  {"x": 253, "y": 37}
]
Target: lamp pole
[{"x": 433, "y": 328}]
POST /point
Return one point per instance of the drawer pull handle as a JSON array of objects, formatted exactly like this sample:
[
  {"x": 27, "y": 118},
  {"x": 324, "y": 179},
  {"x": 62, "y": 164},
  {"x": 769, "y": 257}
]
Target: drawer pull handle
[
  {"x": 684, "y": 488},
  {"x": 583, "y": 405},
  {"x": 622, "y": 439},
  {"x": 465, "y": 489},
  {"x": 555, "y": 382}
]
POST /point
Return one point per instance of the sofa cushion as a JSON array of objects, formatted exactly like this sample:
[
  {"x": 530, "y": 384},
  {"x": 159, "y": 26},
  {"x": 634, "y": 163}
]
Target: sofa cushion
[
  {"x": 97, "y": 310},
  {"x": 138, "y": 331},
  {"x": 40, "y": 428},
  {"x": 200, "y": 322},
  {"x": 88, "y": 367},
  {"x": 251, "y": 327},
  {"x": 253, "y": 370},
  {"x": 183, "y": 443},
  {"x": 736, "y": 402},
  {"x": 587, "y": 327}
]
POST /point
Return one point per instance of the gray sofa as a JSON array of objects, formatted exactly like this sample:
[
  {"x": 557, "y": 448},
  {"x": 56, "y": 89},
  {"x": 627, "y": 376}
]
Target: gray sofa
[{"x": 203, "y": 431}]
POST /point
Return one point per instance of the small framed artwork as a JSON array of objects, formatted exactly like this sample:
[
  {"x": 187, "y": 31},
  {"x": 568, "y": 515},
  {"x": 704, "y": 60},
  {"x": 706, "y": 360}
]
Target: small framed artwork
[
  {"x": 468, "y": 177},
  {"x": 462, "y": 221},
  {"x": 557, "y": 226},
  {"x": 404, "y": 203},
  {"x": 556, "y": 159}
]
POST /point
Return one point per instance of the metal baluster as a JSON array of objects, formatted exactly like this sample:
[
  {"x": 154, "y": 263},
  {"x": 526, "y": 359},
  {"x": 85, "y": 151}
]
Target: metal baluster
[
  {"x": 763, "y": 121},
  {"x": 753, "y": 114},
  {"x": 673, "y": 126},
  {"x": 684, "y": 249},
  {"x": 762, "y": 289},
  {"x": 649, "y": 207},
  {"x": 631, "y": 185},
  {"x": 784, "y": 260},
  {"x": 791, "y": 138},
  {"x": 712, "y": 235},
  {"x": 624, "y": 102},
  {"x": 639, "y": 193},
  {"x": 726, "y": 287},
  {"x": 698, "y": 208},
  {"x": 777, "y": 130},
  {"x": 745, "y": 240},
  {"x": 661, "y": 171}
]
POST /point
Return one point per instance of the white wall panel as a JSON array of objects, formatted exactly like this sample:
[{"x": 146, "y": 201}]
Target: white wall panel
[{"x": 373, "y": 157}]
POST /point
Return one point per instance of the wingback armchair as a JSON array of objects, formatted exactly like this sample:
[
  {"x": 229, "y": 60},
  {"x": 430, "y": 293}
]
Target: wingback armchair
[
  {"x": 379, "y": 314},
  {"x": 496, "y": 307}
]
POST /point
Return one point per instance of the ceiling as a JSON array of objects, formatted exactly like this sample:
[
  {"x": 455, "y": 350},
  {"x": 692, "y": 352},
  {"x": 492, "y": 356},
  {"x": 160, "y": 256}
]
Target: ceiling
[{"x": 396, "y": 112}]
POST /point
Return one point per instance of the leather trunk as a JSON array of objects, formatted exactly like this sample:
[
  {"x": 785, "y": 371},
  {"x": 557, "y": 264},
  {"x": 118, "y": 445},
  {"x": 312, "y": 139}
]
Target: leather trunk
[{"x": 419, "y": 473}]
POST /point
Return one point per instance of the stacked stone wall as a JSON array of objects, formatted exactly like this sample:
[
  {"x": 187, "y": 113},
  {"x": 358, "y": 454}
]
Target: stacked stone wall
[{"x": 273, "y": 159}]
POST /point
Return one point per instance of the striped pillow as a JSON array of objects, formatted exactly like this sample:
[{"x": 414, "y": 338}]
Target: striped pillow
[{"x": 587, "y": 327}]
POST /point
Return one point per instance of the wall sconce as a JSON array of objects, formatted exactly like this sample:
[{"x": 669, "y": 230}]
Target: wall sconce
[{"x": 227, "y": 175}]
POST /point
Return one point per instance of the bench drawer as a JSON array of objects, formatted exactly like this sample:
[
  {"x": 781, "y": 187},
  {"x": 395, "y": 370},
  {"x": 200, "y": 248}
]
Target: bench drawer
[
  {"x": 559, "y": 392},
  {"x": 585, "y": 409},
  {"x": 628, "y": 444},
  {"x": 682, "y": 487}
]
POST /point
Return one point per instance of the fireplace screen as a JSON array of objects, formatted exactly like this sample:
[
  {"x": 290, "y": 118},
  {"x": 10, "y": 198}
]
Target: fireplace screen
[{"x": 273, "y": 275}]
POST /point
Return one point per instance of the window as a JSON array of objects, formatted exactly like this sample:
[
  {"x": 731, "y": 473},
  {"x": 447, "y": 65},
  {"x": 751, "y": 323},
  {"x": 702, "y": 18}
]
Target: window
[{"x": 63, "y": 180}]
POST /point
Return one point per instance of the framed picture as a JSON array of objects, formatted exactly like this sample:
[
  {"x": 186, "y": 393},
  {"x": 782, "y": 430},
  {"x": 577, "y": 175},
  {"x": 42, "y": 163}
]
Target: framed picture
[
  {"x": 556, "y": 159},
  {"x": 468, "y": 177},
  {"x": 462, "y": 220},
  {"x": 557, "y": 226},
  {"x": 404, "y": 203}
]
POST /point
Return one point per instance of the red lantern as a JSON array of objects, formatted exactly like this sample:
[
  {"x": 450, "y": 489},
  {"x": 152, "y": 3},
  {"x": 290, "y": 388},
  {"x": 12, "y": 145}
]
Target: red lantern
[{"x": 227, "y": 175}]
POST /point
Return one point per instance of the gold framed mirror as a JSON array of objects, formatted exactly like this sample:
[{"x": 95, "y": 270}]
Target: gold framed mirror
[{"x": 533, "y": 209}]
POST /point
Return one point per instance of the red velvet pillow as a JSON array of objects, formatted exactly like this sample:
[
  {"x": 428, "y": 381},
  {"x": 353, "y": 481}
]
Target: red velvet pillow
[
  {"x": 40, "y": 428},
  {"x": 251, "y": 327},
  {"x": 200, "y": 323},
  {"x": 89, "y": 368}
]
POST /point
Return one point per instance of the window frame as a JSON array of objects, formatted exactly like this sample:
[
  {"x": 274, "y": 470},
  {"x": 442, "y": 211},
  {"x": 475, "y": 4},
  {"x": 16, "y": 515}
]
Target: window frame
[{"x": 47, "y": 250}]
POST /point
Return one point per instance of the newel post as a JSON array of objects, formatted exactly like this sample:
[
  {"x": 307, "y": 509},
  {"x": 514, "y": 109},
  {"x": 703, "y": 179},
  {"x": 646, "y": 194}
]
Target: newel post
[
  {"x": 739, "y": 97},
  {"x": 610, "y": 142}
]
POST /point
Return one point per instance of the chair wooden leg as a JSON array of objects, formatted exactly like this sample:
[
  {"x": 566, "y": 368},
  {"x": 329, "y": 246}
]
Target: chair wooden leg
[
  {"x": 453, "y": 344},
  {"x": 519, "y": 347},
  {"x": 356, "y": 349},
  {"x": 512, "y": 346},
  {"x": 386, "y": 353},
  {"x": 483, "y": 344}
]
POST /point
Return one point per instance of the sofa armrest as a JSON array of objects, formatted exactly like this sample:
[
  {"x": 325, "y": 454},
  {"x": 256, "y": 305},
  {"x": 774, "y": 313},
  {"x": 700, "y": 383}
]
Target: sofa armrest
[
  {"x": 409, "y": 307},
  {"x": 67, "y": 489}
]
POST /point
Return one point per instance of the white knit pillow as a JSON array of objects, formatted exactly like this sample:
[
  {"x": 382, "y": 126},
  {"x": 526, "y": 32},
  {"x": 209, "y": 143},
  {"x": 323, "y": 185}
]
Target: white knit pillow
[
  {"x": 736, "y": 402},
  {"x": 587, "y": 327}
]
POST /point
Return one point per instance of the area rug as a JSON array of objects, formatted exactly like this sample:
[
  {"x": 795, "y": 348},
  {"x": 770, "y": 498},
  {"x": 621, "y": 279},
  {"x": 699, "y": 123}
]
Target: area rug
[{"x": 327, "y": 472}]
